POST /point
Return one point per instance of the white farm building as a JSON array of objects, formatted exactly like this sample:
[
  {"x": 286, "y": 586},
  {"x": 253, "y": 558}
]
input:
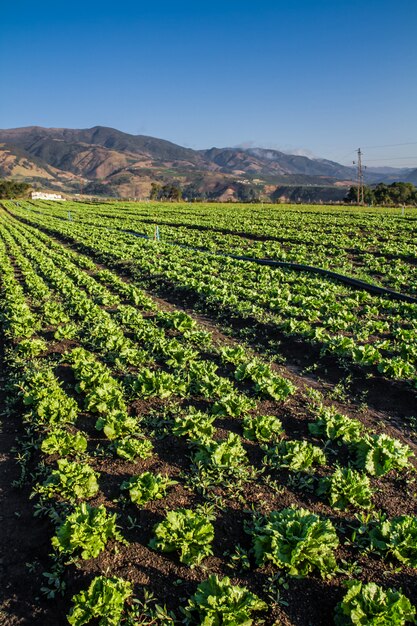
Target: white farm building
[{"x": 42, "y": 195}]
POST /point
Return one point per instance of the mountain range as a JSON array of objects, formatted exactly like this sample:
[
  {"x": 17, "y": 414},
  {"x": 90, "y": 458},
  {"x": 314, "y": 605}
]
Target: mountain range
[{"x": 106, "y": 161}]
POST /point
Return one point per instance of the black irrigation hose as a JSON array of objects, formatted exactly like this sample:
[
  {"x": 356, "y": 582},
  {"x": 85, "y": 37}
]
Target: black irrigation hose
[{"x": 352, "y": 282}]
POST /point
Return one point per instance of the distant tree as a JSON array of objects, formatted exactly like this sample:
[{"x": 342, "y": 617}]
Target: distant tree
[
  {"x": 247, "y": 193},
  {"x": 381, "y": 194},
  {"x": 13, "y": 189},
  {"x": 368, "y": 195},
  {"x": 386, "y": 195},
  {"x": 396, "y": 193},
  {"x": 403, "y": 193},
  {"x": 169, "y": 191},
  {"x": 192, "y": 193},
  {"x": 172, "y": 192},
  {"x": 96, "y": 188},
  {"x": 155, "y": 191},
  {"x": 351, "y": 195}
]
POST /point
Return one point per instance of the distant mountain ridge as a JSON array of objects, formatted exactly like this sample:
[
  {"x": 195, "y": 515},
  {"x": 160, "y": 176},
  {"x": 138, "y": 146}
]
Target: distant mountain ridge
[{"x": 112, "y": 162}]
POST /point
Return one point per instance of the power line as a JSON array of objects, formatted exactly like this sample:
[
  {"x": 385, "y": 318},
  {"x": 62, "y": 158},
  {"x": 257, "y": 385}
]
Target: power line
[
  {"x": 394, "y": 158},
  {"x": 388, "y": 145},
  {"x": 392, "y": 145},
  {"x": 348, "y": 154}
]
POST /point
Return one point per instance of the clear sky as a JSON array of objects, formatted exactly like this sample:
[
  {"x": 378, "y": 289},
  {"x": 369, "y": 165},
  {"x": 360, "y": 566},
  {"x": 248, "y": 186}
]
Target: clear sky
[{"x": 323, "y": 76}]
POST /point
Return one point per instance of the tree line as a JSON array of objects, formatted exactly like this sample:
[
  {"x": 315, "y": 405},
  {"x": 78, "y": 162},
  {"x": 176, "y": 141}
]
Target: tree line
[
  {"x": 382, "y": 194},
  {"x": 394, "y": 194},
  {"x": 386, "y": 195}
]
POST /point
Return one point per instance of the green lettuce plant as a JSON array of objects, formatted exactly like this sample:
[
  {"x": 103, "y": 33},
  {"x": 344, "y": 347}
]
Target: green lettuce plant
[
  {"x": 187, "y": 532},
  {"x": 179, "y": 356},
  {"x": 117, "y": 424},
  {"x": 64, "y": 443},
  {"x": 72, "y": 481},
  {"x": 132, "y": 448},
  {"x": 371, "y": 605},
  {"x": 67, "y": 331},
  {"x": 149, "y": 383},
  {"x": 30, "y": 348},
  {"x": 296, "y": 540},
  {"x": 346, "y": 487},
  {"x": 233, "y": 354},
  {"x": 86, "y": 531},
  {"x": 266, "y": 382},
  {"x": 147, "y": 487},
  {"x": 233, "y": 404},
  {"x": 222, "y": 458},
  {"x": 194, "y": 425},
  {"x": 177, "y": 320},
  {"x": 295, "y": 455},
  {"x": 396, "y": 537},
  {"x": 219, "y": 603},
  {"x": 336, "y": 426},
  {"x": 379, "y": 454},
  {"x": 262, "y": 428},
  {"x": 48, "y": 402},
  {"x": 104, "y": 600}
]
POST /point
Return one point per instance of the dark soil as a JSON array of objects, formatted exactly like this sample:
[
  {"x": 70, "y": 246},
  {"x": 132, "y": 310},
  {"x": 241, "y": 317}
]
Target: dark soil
[{"x": 24, "y": 540}]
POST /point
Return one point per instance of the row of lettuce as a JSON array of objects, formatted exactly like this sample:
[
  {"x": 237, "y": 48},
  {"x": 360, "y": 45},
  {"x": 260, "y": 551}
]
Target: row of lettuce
[
  {"x": 377, "y": 245},
  {"x": 165, "y": 355}
]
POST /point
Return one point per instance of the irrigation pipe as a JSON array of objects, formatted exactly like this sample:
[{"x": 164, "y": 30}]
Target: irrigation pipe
[{"x": 352, "y": 282}]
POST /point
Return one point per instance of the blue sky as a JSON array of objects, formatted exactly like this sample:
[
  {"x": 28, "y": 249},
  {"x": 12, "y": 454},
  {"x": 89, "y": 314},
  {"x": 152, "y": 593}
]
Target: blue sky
[{"x": 324, "y": 76}]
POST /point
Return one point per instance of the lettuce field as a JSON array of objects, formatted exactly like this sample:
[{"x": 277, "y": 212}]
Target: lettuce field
[{"x": 198, "y": 429}]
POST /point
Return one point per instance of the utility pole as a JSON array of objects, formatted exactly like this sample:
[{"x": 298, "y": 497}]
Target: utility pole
[{"x": 360, "y": 190}]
